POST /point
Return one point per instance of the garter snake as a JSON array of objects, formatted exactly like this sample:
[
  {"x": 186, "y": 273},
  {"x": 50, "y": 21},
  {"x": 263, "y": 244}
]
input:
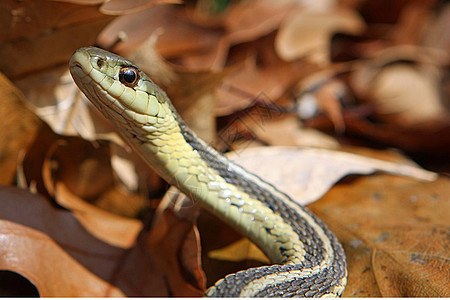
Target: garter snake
[{"x": 307, "y": 258}]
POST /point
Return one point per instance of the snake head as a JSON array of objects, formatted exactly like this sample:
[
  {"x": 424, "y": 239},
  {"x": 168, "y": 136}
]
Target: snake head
[{"x": 118, "y": 87}]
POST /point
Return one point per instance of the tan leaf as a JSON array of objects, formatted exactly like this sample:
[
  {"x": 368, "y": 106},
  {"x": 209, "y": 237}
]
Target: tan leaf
[
  {"x": 307, "y": 174},
  {"x": 248, "y": 21},
  {"x": 399, "y": 91},
  {"x": 307, "y": 33},
  {"x": 284, "y": 130},
  {"x": 395, "y": 235},
  {"x": 239, "y": 251}
]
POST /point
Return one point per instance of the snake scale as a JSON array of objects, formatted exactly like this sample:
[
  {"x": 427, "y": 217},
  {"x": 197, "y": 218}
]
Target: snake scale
[{"x": 308, "y": 260}]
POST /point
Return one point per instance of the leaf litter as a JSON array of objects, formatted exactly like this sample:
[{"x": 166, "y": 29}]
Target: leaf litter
[{"x": 246, "y": 68}]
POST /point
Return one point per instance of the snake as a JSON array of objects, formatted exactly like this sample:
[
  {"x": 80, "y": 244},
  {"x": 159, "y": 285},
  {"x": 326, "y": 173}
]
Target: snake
[{"x": 306, "y": 258}]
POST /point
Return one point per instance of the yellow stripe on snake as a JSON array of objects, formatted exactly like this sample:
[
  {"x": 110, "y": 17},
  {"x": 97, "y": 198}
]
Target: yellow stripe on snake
[{"x": 307, "y": 258}]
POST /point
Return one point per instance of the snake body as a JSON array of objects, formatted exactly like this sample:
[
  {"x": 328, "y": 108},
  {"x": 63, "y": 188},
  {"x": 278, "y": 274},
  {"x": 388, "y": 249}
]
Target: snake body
[{"x": 307, "y": 258}]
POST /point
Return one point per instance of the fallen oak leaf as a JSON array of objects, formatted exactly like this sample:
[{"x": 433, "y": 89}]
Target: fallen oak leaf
[{"x": 395, "y": 234}]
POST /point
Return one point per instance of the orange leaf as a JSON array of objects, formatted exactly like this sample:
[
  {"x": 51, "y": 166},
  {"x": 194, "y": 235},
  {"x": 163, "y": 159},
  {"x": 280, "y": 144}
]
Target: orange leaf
[{"x": 395, "y": 235}]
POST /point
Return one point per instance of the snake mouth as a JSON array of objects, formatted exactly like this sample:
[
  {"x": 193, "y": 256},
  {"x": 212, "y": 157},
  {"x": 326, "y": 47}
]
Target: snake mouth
[
  {"x": 76, "y": 65},
  {"x": 80, "y": 62}
]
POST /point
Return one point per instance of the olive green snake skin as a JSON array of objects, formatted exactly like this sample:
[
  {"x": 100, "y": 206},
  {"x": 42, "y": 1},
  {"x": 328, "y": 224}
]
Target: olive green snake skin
[{"x": 308, "y": 260}]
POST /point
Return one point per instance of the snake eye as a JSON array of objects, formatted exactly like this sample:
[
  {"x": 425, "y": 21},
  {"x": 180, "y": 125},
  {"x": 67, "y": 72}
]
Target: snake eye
[{"x": 129, "y": 76}]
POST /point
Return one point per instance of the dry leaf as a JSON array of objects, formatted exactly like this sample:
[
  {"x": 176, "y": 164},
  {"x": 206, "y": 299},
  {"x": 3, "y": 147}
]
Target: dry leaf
[
  {"x": 263, "y": 77},
  {"x": 249, "y": 21},
  {"x": 110, "y": 228},
  {"x": 193, "y": 40},
  {"x": 172, "y": 237},
  {"x": 307, "y": 174},
  {"x": 178, "y": 35},
  {"x": 70, "y": 173},
  {"x": 36, "y": 35},
  {"x": 407, "y": 94},
  {"x": 135, "y": 271},
  {"x": 77, "y": 163},
  {"x": 273, "y": 129},
  {"x": 403, "y": 93},
  {"x": 239, "y": 251},
  {"x": 322, "y": 92},
  {"x": 18, "y": 129},
  {"x": 436, "y": 35},
  {"x": 307, "y": 33},
  {"x": 119, "y": 7},
  {"x": 395, "y": 235},
  {"x": 38, "y": 258},
  {"x": 411, "y": 21}
]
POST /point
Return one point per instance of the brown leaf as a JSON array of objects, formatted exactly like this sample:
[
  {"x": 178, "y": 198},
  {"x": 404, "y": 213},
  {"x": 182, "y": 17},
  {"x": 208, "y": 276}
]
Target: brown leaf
[
  {"x": 135, "y": 271},
  {"x": 18, "y": 129},
  {"x": 119, "y": 7},
  {"x": 262, "y": 76},
  {"x": 111, "y": 228},
  {"x": 35, "y": 256},
  {"x": 166, "y": 240},
  {"x": 179, "y": 38},
  {"x": 42, "y": 34},
  {"x": 324, "y": 92},
  {"x": 77, "y": 163},
  {"x": 193, "y": 40},
  {"x": 432, "y": 138},
  {"x": 289, "y": 131},
  {"x": 395, "y": 235},
  {"x": 249, "y": 21},
  {"x": 71, "y": 171}
]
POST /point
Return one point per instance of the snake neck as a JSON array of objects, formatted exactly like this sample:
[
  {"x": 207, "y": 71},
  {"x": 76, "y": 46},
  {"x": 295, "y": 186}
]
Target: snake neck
[{"x": 173, "y": 156}]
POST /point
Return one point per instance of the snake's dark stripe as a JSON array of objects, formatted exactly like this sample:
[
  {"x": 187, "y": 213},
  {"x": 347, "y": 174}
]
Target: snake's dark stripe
[{"x": 313, "y": 245}]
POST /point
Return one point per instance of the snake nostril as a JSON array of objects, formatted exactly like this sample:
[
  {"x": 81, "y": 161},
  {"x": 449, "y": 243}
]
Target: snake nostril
[{"x": 100, "y": 63}]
